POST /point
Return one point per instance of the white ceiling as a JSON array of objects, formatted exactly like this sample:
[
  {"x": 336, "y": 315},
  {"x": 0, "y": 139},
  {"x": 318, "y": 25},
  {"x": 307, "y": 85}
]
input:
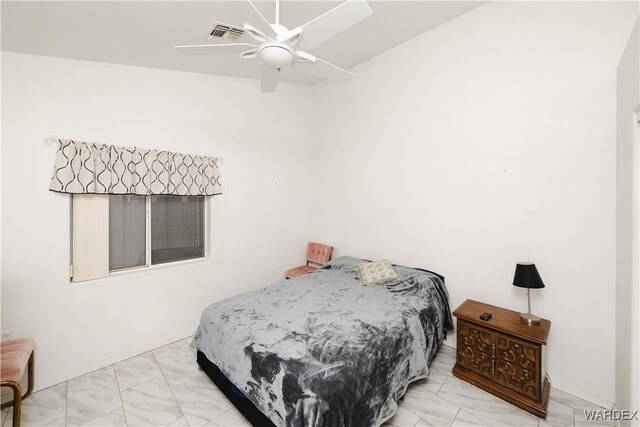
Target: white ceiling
[{"x": 143, "y": 33}]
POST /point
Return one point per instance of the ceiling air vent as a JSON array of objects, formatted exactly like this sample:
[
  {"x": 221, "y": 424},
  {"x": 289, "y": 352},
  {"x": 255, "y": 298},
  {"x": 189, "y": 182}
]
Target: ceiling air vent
[{"x": 220, "y": 32}]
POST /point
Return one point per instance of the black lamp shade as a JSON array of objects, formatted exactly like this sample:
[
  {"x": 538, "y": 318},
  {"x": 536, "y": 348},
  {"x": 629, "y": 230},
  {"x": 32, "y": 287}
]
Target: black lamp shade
[{"x": 527, "y": 276}]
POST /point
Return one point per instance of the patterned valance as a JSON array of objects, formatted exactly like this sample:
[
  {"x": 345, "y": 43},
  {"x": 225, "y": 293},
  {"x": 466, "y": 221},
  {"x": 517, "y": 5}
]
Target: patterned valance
[{"x": 88, "y": 168}]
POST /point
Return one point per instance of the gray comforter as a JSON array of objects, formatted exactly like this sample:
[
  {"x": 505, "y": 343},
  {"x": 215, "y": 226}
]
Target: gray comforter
[{"x": 324, "y": 350}]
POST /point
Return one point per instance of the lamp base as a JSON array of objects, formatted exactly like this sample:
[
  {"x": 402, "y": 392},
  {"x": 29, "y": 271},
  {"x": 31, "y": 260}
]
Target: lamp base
[{"x": 529, "y": 319}]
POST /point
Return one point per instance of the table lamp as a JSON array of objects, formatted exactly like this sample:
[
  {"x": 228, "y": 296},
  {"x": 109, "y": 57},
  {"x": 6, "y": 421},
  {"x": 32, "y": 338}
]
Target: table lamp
[{"x": 527, "y": 276}]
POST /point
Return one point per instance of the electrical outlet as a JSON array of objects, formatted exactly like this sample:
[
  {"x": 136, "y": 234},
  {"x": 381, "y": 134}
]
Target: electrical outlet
[{"x": 6, "y": 335}]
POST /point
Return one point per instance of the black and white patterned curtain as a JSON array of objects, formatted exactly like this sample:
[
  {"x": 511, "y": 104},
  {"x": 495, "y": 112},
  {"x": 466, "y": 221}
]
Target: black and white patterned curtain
[{"x": 88, "y": 168}]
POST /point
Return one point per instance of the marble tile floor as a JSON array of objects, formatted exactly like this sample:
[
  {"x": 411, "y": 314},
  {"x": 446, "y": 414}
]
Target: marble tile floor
[{"x": 165, "y": 387}]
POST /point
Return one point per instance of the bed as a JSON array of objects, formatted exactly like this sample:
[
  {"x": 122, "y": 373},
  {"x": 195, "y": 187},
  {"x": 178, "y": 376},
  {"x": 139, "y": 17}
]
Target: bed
[{"x": 322, "y": 349}]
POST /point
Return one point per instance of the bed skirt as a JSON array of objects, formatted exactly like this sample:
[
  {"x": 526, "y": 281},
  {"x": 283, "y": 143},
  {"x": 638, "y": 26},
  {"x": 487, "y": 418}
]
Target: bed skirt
[{"x": 235, "y": 396}]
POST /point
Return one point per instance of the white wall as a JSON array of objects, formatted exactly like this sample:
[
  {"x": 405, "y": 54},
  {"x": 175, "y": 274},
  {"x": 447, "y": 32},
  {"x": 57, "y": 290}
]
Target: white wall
[
  {"x": 487, "y": 141},
  {"x": 628, "y": 167},
  {"x": 258, "y": 223}
]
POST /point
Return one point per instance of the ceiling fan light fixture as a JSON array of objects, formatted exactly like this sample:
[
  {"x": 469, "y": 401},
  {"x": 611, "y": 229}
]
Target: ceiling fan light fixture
[{"x": 276, "y": 55}]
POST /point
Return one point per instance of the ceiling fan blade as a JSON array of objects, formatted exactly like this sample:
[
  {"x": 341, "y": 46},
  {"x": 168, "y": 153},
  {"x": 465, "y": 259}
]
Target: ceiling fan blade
[
  {"x": 324, "y": 69},
  {"x": 247, "y": 12},
  {"x": 215, "y": 49},
  {"x": 268, "y": 78},
  {"x": 335, "y": 21},
  {"x": 249, "y": 54},
  {"x": 292, "y": 37},
  {"x": 256, "y": 34},
  {"x": 301, "y": 56}
]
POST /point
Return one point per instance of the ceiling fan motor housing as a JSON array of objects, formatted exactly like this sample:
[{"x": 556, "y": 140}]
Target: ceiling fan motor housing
[{"x": 276, "y": 54}]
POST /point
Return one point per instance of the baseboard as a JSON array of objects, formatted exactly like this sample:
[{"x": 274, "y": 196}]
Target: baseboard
[
  {"x": 106, "y": 362},
  {"x": 604, "y": 403}
]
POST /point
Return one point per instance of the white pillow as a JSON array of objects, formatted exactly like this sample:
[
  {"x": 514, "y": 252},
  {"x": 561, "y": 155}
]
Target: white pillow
[{"x": 375, "y": 273}]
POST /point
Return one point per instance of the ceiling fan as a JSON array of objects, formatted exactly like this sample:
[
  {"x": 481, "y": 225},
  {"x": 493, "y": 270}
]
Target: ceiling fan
[{"x": 276, "y": 47}]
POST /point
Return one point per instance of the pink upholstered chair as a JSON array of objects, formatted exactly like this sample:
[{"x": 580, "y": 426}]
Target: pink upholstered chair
[
  {"x": 15, "y": 357},
  {"x": 317, "y": 254}
]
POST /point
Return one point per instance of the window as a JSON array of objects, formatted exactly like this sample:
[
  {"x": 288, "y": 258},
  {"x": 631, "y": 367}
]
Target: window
[
  {"x": 177, "y": 228},
  {"x": 119, "y": 232},
  {"x": 173, "y": 230}
]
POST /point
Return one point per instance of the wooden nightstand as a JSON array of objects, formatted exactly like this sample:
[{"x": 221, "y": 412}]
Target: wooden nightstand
[{"x": 503, "y": 355}]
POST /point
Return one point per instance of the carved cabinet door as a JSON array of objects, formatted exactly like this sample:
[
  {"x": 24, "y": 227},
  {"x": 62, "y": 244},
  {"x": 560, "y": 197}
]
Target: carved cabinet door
[
  {"x": 476, "y": 345},
  {"x": 517, "y": 366}
]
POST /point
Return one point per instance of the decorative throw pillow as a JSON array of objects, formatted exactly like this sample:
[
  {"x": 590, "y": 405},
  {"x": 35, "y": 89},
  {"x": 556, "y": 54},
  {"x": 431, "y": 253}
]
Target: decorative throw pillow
[{"x": 375, "y": 273}]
